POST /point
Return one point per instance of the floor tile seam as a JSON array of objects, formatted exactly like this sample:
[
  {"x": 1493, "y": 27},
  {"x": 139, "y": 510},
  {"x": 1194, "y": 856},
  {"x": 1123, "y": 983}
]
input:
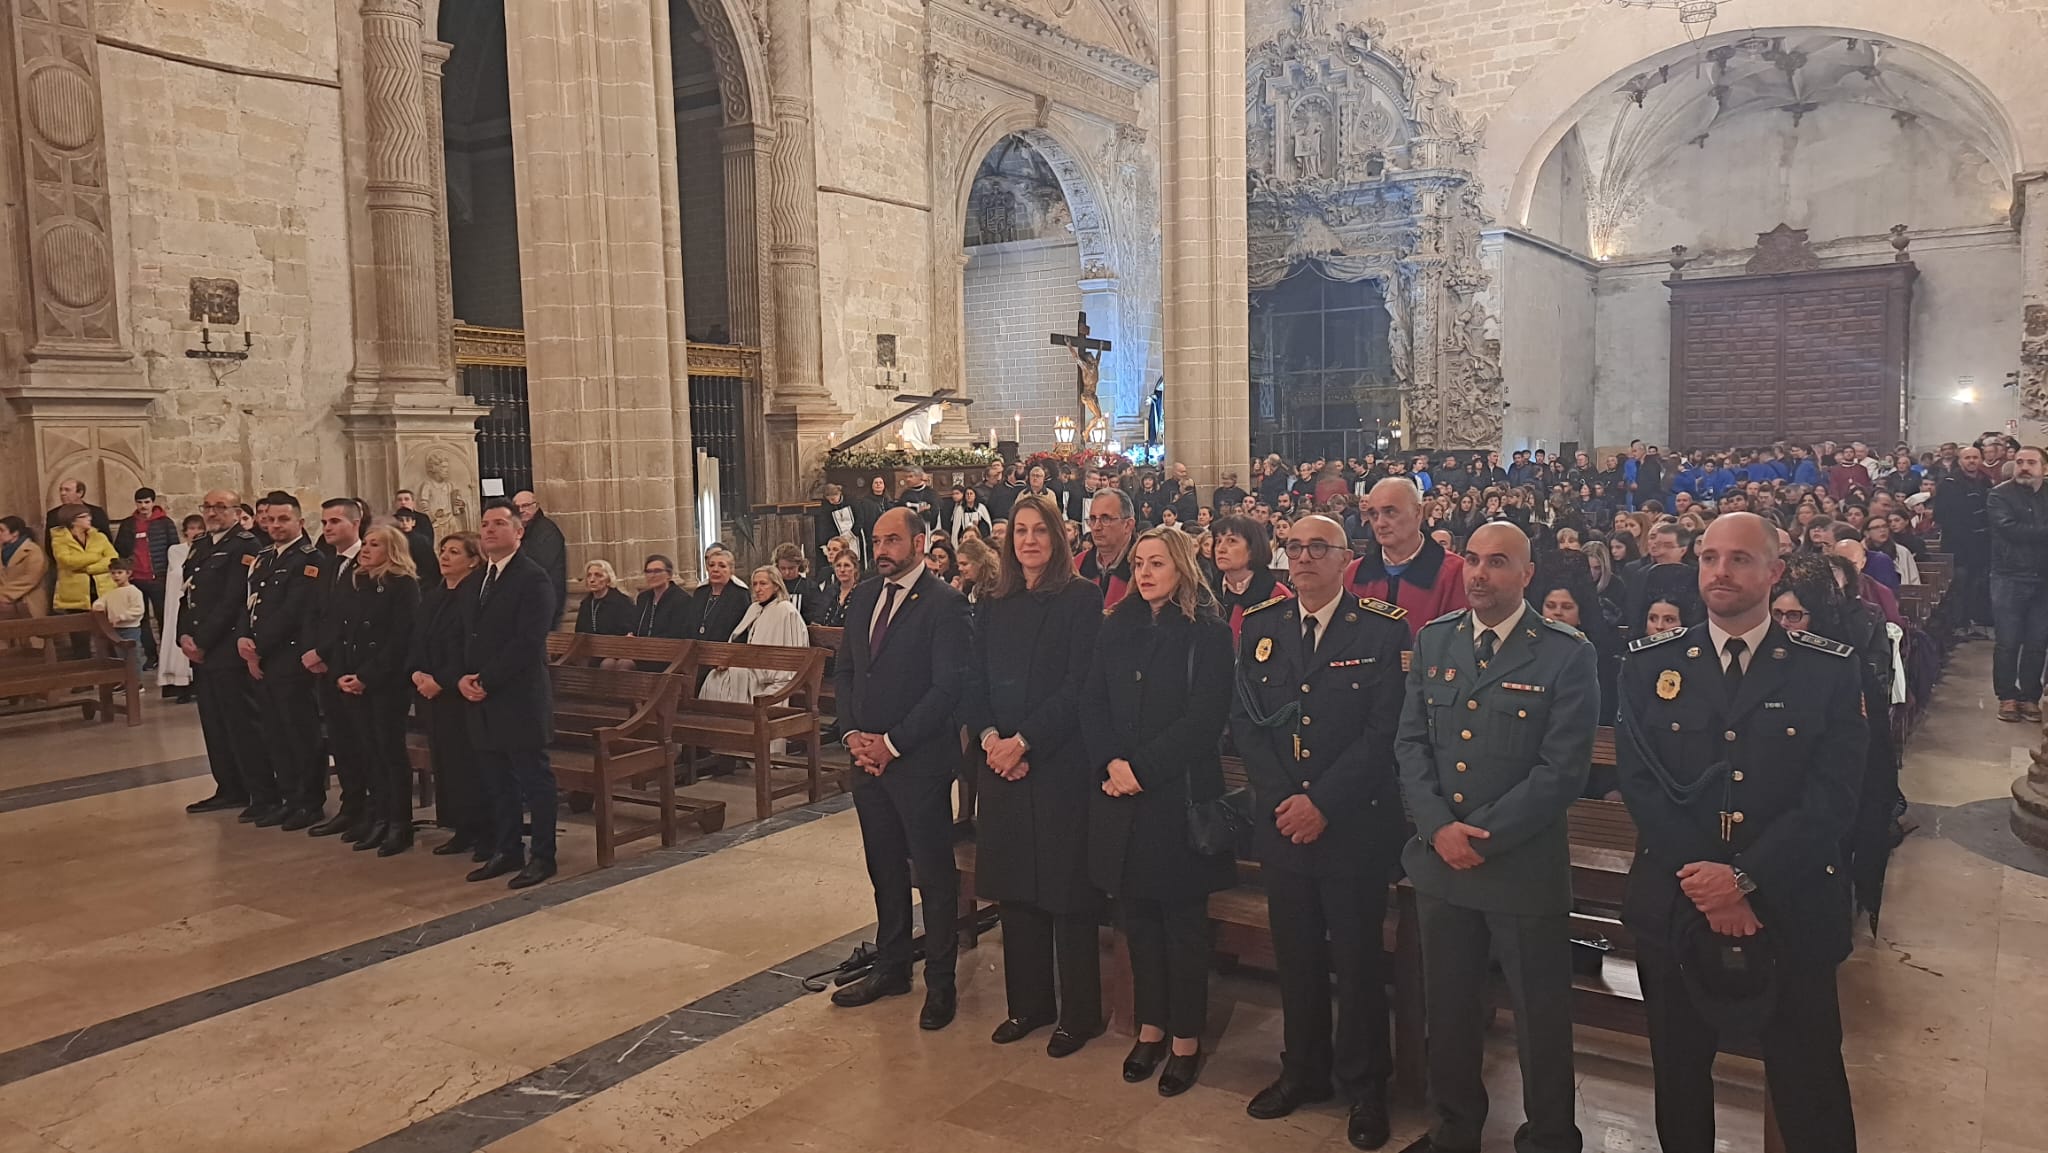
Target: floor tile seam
[{"x": 106, "y": 782}]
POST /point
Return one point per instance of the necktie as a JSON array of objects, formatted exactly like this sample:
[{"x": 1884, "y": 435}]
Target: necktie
[
  {"x": 1731, "y": 675},
  {"x": 1308, "y": 635},
  {"x": 1486, "y": 643},
  {"x": 881, "y": 629},
  {"x": 490, "y": 578}
]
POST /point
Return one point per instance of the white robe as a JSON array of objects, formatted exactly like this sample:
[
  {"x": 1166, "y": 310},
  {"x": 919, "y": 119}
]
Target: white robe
[
  {"x": 775, "y": 623},
  {"x": 172, "y": 669}
]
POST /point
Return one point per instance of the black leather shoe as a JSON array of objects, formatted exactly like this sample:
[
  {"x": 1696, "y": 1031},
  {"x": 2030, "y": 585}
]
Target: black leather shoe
[
  {"x": 250, "y": 812},
  {"x": 537, "y": 870},
  {"x": 1423, "y": 1144},
  {"x": 1283, "y": 1097},
  {"x": 370, "y": 840},
  {"x": 1368, "y": 1127},
  {"x": 939, "y": 1007},
  {"x": 1144, "y": 1060},
  {"x": 340, "y": 822},
  {"x": 1179, "y": 1075},
  {"x": 216, "y": 804},
  {"x": 302, "y": 819},
  {"x": 271, "y": 817},
  {"x": 481, "y": 853},
  {"x": 459, "y": 843},
  {"x": 1018, "y": 1028},
  {"x": 396, "y": 840},
  {"x": 1065, "y": 1044},
  {"x": 498, "y": 866},
  {"x": 359, "y": 827},
  {"x": 879, "y": 983}
]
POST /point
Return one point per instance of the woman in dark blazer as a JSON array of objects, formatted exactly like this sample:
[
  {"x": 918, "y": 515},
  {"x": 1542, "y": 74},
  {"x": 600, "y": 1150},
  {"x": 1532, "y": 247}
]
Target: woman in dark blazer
[
  {"x": 605, "y": 610},
  {"x": 436, "y": 665},
  {"x": 1032, "y": 644},
  {"x": 370, "y": 670},
  {"x": 1152, "y": 716}
]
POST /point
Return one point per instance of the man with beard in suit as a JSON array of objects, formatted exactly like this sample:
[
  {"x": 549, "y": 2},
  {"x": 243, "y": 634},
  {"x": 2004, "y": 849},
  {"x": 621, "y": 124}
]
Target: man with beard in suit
[{"x": 898, "y": 680}]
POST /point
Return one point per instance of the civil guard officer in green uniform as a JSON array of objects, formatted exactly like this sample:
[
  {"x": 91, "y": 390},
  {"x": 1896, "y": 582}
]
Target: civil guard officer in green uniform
[
  {"x": 1319, "y": 695},
  {"x": 1740, "y": 749},
  {"x": 1496, "y": 740}
]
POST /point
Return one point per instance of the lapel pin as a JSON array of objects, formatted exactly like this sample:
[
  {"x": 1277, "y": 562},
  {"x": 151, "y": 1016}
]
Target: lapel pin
[
  {"x": 1350, "y": 618},
  {"x": 1265, "y": 649},
  {"x": 1778, "y": 654},
  {"x": 1693, "y": 652}
]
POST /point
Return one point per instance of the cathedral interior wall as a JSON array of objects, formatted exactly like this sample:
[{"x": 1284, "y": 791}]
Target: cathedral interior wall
[{"x": 1016, "y": 294}]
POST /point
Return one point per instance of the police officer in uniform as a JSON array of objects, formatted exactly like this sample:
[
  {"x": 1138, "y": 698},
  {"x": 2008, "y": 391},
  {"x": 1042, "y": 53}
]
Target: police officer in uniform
[
  {"x": 216, "y": 586},
  {"x": 1318, "y": 700},
  {"x": 281, "y": 624},
  {"x": 1740, "y": 749},
  {"x": 1495, "y": 743}
]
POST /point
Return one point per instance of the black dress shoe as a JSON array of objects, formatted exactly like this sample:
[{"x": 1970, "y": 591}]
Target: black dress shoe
[
  {"x": 1283, "y": 1097},
  {"x": 396, "y": 840},
  {"x": 1179, "y": 1075},
  {"x": 879, "y": 983},
  {"x": 939, "y": 1007},
  {"x": 537, "y": 870},
  {"x": 459, "y": 843},
  {"x": 340, "y": 822},
  {"x": 271, "y": 817},
  {"x": 216, "y": 804},
  {"x": 359, "y": 827},
  {"x": 482, "y": 853},
  {"x": 250, "y": 812},
  {"x": 370, "y": 840},
  {"x": 302, "y": 819},
  {"x": 1423, "y": 1144},
  {"x": 1064, "y": 1043},
  {"x": 498, "y": 866},
  {"x": 1018, "y": 1028},
  {"x": 1144, "y": 1060},
  {"x": 1368, "y": 1127}
]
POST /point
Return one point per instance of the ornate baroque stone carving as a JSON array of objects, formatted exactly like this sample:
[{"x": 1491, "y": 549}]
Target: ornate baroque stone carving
[
  {"x": 1782, "y": 249},
  {"x": 1033, "y": 55},
  {"x": 725, "y": 52}
]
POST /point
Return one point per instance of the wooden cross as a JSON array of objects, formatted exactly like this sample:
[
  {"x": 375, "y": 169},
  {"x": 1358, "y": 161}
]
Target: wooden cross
[
  {"x": 1081, "y": 342},
  {"x": 1087, "y": 368}
]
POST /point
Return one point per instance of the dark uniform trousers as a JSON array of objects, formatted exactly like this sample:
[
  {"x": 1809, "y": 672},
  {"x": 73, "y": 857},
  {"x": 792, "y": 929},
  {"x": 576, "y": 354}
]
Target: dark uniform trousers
[
  {"x": 1170, "y": 948},
  {"x": 377, "y": 721},
  {"x": 904, "y": 823},
  {"x": 234, "y": 744},
  {"x": 1534, "y": 954},
  {"x": 1038, "y": 946},
  {"x": 459, "y": 800},
  {"x": 1321, "y": 925},
  {"x": 519, "y": 782},
  {"x": 291, "y": 735},
  {"x": 347, "y": 739}
]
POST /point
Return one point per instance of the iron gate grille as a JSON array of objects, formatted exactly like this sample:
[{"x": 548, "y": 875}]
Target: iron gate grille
[{"x": 491, "y": 364}]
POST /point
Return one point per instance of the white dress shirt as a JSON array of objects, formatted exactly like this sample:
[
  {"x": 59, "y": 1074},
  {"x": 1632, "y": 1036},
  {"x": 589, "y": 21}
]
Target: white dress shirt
[
  {"x": 1322, "y": 616},
  {"x": 1750, "y": 640},
  {"x": 902, "y": 583},
  {"x": 1502, "y": 631}
]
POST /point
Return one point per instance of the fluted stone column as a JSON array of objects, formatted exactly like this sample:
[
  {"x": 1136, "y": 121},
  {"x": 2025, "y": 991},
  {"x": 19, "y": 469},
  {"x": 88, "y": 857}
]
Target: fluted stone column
[
  {"x": 1203, "y": 231},
  {"x": 747, "y": 150},
  {"x": 798, "y": 344}
]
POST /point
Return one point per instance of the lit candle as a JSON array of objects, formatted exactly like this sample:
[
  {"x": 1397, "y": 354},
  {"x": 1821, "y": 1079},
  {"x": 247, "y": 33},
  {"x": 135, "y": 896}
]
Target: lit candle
[
  {"x": 991, "y": 436},
  {"x": 1017, "y": 424}
]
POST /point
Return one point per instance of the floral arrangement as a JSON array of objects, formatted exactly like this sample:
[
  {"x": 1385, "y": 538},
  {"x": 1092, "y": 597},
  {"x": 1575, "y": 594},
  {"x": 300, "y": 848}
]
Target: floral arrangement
[
  {"x": 873, "y": 460},
  {"x": 1086, "y": 458}
]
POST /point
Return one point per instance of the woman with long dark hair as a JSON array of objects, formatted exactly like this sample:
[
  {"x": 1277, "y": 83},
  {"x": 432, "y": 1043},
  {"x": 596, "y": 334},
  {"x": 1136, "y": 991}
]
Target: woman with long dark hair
[
  {"x": 370, "y": 669},
  {"x": 436, "y": 664},
  {"x": 1034, "y": 636}
]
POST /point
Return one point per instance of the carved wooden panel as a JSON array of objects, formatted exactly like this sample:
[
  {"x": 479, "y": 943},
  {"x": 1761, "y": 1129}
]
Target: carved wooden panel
[{"x": 1800, "y": 356}]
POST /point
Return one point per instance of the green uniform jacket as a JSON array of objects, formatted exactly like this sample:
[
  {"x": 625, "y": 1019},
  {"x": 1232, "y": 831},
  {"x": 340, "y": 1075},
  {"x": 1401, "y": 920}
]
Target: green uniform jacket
[{"x": 1505, "y": 749}]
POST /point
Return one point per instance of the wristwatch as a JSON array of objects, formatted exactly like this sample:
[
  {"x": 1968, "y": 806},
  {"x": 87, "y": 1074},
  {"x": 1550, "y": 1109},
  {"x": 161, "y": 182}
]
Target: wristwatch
[{"x": 1745, "y": 882}]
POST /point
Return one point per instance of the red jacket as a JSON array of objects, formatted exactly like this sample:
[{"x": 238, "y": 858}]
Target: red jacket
[
  {"x": 1433, "y": 583},
  {"x": 1114, "y": 583}
]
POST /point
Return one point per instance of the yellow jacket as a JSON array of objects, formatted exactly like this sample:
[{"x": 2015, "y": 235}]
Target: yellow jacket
[{"x": 77, "y": 564}]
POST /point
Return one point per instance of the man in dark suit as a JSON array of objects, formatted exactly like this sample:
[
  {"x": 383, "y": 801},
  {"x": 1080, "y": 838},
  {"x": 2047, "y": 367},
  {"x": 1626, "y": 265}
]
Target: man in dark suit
[
  {"x": 215, "y": 588},
  {"x": 542, "y": 543},
  {"x": 341, "y": 531},
  {"x": 280, "y": 624},
  {"x": 898, "y": 678},
  {"x": 505, "y": 679},
  {"x": 1315, "y": 716},
  {"x": 1741, "y": 749}
]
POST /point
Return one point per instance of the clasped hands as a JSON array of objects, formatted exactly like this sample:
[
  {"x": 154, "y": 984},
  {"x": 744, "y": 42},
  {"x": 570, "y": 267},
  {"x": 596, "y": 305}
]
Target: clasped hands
[
  {"x": 1711, "y": 887},
  {"x": 1299, "y": 820},
  {"x": 869, "y": 751},
  {"x": 1122, "y": 780},
  {"x": 1005, "y": 756}
]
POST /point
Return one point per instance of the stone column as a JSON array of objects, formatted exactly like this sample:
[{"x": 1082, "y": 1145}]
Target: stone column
[
  {"x": 798, "y": 343},
  {"x": 81, "y": 397},
  {"x": 2030, "y": 801},
  {"x": 749, "y": 311},
  {"x": 1203, "y": 228},
  {"x": 2030, "y": 206}
]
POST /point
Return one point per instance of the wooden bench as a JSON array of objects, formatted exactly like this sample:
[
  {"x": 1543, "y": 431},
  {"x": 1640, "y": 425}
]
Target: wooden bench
[
  {"x": 614, "y": 733},
  {"x": 748, "y": 729},
  {"x": 46, "y": 679},
  {"x": 828, "y": 638}
]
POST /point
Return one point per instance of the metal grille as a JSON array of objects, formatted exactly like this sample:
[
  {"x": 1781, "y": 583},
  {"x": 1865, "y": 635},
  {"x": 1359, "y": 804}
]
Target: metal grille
[
  {"x": 491, "y": 363},
  {"x": 718, "y": 422}
]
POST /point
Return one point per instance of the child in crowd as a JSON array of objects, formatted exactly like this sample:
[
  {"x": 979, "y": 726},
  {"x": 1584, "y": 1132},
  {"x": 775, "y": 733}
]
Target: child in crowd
[{"x": 125, "y": 609}]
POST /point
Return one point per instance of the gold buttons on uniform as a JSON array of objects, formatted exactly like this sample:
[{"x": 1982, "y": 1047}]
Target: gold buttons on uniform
[
  {"x": 1674, "y": 726},
  {"x": 1471, "y": 704},
  {"x": 1831, "y": 870},
  {"x": 1521, "y": 712},
  {"x": 1738, "y": 775},
  {"x": 1304, "y": 688},
  {"x": 1736, "y": 817},
  {"x": 1791, "y": 732},
  {"x": 1729, "y": 735},
  {"x": 1458, "y": 798},
  {"x": 1465, "y": 735},
  {"x": 1306, "y": 720},
  {"x": 1461, "y": 766}
]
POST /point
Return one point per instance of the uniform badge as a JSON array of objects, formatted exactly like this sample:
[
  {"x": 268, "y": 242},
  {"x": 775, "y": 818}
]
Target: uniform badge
[
  {"x": 1693, "y": 653},
  {"x": 1667, "y": 685},
  {"x": 1350, "y": 618},
  {"x": 249, "y": 560},
  {"x": 1778, "y": 654},
  {"x": 1450, "y": 675},
  {"x": 1432, "y": 672},
  {"x": 1265, "y": 649},
  {"x": 312, "y": 570}
]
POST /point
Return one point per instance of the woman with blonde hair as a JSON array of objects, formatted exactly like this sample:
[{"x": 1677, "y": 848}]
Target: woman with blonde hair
[
  {"x": 771, "y": 619},
  {"x": 979, "y": 569},
  {"x": 370, "y": 669},
  {"x": 605, "y": 610}
]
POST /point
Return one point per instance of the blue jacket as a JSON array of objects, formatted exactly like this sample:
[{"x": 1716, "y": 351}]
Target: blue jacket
[
  {"x": 1808, "y": 473},
  {"x": 1713, "y": 485}
]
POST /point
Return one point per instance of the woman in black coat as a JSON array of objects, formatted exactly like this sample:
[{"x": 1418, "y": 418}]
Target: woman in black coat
[
  {"x": 1032, "y": 643},
  {"x": 605, "y": 610},
  {"x": 370, "y": 670},
  {"x": 662, "y": 609},
  {"x": 1152, "y": 716},
  {"x": 436, "y": 666}
]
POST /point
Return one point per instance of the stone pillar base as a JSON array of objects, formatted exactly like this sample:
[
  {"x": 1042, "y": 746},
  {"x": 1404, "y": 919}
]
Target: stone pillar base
[
  {"x": 428, "y": 447},
  {"x": 798, "y": 435},
  {"x": 2030, "y": 803},
  {"x": 88, "y": 421}
]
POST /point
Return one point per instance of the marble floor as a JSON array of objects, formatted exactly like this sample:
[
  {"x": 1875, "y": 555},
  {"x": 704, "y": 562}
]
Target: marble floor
[{"x": 173, "y": 983}]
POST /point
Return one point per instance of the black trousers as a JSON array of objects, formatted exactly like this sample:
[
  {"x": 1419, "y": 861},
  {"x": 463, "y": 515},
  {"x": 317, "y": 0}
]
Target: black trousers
[
  {"x": 905, "y": 822},
  {"x": 227, "y": 718},
  {"x": 459, "y": 802},
  {"x": 1535, "y": 956},
  {"x": 378, "y": 720},
  {"x": 347, "y": 739},
  {"x": 1802, "y": 1046},
  {"x": 521, "y": 787},
  {"x": 1170, "y": 951},
  {"x": 1321, "y": 926},
  {"x": 291, "y": 736},
  {"x": 153, "y": 616},
  {"x": 1035, "y": 943}
]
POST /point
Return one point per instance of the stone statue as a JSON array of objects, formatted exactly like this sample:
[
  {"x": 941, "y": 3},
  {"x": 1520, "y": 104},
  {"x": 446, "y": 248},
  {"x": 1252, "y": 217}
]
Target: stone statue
[
  {"x": 1398, "y": 337},
  {"x": 916, "y": 430},
  {"x": 443, "y": 499},
  {"x": 1087, "y": 378},
  {"x": 1308, "y": 147}
]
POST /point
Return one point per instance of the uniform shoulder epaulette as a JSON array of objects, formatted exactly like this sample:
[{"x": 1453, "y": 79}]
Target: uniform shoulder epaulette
[
  {"x": 1651, "y": 642},
  {"x": 1392, "y": 612},
  {"x": 1815, "y": 641},
  {"x": 1264, "y": 605},
  {"x": 306, "y": 545},
  {"x": 1560, "y": 626},
  {"x": 1448, "y": 617}
]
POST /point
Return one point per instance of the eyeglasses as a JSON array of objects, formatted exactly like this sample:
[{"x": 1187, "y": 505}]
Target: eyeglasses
[
  {"x": 1106, "y": 518},
  {"x": 1312, "y": 549},
  {"x": 1790, "y": 616},
  {"x": 216, "y": 507},
  {"x": 655, "y": 571}
]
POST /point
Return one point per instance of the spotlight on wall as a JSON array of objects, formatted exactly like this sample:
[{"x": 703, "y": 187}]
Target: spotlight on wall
[{"x": 1966, "y": 396}]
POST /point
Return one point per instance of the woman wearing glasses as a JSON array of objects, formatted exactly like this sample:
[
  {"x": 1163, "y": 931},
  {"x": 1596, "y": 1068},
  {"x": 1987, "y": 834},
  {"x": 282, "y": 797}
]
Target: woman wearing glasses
[{"x": 662, "y": 609}]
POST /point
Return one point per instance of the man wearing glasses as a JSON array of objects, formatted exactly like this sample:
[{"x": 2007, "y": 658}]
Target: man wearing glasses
[
  {"x": 215, "y": 588},
  {"x": 1112, "y": 521},
  {"x": 1403, "y": 567}
]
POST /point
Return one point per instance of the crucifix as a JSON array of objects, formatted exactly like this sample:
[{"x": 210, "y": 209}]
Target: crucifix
[{"x": 1087, "y": 353}]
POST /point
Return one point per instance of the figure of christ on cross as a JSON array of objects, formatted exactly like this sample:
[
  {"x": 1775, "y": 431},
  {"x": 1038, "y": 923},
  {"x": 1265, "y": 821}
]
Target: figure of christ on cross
[{"x": 1087, "y": 367}]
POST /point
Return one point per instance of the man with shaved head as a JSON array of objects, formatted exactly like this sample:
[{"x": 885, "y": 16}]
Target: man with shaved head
[
  {"x": 215, "y": 588},
  {"x": 898, "y": 678},
  {"x": 1740, "y": 751},
  {"x": 1403, "y": 567}
]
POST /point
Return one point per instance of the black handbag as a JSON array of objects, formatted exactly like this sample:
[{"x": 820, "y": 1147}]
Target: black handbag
[{"x": 1221, "y": 826}]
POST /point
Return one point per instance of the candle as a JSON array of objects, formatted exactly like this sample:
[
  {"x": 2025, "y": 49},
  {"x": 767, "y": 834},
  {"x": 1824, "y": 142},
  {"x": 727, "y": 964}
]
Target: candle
[
  {"x": 1017, "y": 423},
  {"x": 991, "y": 436}
]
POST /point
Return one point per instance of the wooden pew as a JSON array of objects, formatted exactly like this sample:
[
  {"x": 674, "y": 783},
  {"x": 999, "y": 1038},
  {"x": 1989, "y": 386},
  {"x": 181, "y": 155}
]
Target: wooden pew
[
  {"x": 45, "y": 679},
  {"x": 828, "y": 638},
  {"x": 747, "y": 729},
  {"x": 612, "y": 757}
]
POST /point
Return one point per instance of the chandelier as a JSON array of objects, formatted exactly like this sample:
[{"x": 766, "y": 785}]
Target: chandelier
[{"x": 1696, "y": 17}]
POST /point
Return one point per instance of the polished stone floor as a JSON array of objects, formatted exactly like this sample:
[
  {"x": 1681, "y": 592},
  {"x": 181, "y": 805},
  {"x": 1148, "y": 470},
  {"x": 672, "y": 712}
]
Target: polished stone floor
[{"x": 173, "y": 983}]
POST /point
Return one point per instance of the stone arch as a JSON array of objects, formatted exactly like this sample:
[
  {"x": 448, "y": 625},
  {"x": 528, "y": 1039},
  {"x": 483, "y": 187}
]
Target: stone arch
[
  {"x": 742, "y": 65},
  {"x": 1077, "y": 177}
]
